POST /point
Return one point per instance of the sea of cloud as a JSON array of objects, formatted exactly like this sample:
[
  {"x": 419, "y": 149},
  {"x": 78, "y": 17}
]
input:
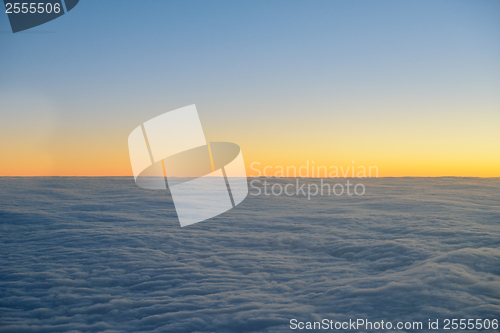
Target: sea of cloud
[{"x": 102, "y": 255}]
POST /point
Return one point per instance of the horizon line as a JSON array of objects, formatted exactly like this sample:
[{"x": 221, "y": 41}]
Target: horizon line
[{"x": 262, "y": 177}]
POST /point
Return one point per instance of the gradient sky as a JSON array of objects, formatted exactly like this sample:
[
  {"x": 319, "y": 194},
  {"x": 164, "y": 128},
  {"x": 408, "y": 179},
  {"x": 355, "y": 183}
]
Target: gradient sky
[{"x": 412, "y": 87}]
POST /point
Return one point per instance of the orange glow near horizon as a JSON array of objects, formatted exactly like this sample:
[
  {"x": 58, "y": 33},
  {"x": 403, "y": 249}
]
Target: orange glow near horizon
[
  {"x": 94, "y": 164},
  {"x": 419, "y": 147}
]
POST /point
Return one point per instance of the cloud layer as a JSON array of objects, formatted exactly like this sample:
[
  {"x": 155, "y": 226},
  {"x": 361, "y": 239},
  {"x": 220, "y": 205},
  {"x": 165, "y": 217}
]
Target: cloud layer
[{"x": 101, "y": 255}]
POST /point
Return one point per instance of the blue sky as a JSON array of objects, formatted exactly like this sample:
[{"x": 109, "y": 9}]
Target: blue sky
[{"x": 116, "y": 64}]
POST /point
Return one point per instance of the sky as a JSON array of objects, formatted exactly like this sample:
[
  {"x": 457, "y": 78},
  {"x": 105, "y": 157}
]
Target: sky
[{"x": 410, "y": 87}]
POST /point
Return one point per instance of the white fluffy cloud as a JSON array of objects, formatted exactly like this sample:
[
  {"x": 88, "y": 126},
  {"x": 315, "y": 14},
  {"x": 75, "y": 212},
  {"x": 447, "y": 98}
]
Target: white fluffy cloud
[{"x": 101, "y": 255}]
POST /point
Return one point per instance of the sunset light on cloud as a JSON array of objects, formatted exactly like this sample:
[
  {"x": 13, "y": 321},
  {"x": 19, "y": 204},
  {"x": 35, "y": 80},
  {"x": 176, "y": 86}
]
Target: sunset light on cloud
[{"x": 260, "y": 166}]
